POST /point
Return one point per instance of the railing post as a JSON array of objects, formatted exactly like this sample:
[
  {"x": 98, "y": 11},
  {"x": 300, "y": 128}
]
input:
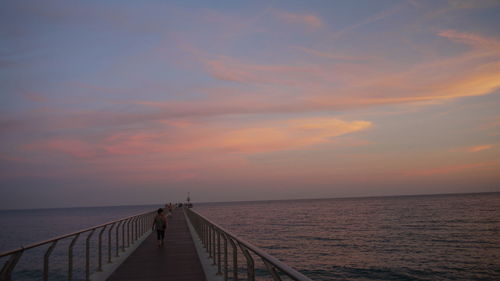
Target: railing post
[
  {"x": 99, "y": 268},
  {"x": 5, "y": 273},
  {"x": 87, "y": 255},
  {"x": 133, "y": 229},
  {"x": 209, "y": 244},
  {"x": 136, "y": 228},
  {"x": 140, "y": 226},
  {"x": 271, "y": 270},
  {"x": 207, "y": 236},
  {"x": 213, "y": 245},
  {"x": 110, "y": 245},
  {"x": 225, "y": 257},
  {"x": 204, "y": 232},
  {"x": 128, "y": 232},
  {"x": 219, "y": 265},
  {"x": 46, "y": 261},
  {"x": 275, "y": 267},
  {"x": 70, "y": 257},
  {"x": 139, "y": 222},
  {"x": 250, "y": 263},
  {"x": 235, "y": 259},
  {"x": 117, "y": 237},
  {"x": 123, "y": 234},
  {"x": 143, "y": 229}
]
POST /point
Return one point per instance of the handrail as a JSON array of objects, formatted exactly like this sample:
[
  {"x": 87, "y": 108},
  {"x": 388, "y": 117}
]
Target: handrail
[
  {"x": 208, "y": 230},
  {"x": 15, "y": 255},
  {"x": 66, "y": 235}
]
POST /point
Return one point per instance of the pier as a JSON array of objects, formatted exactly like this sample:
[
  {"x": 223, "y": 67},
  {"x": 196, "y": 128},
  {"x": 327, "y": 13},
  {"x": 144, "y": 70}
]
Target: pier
[
  {"x": 175, "y": 260},
  {"x": 195, "y": 249}
]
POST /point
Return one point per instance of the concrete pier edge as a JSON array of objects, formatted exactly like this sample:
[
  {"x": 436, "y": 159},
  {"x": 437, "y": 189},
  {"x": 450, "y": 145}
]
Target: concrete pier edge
[
  {"x": 109, "y": 268},
  {"x": 209, "y": 269}
]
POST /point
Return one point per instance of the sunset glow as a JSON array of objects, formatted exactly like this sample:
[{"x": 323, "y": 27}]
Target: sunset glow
[{"x": 121, "y": 102}]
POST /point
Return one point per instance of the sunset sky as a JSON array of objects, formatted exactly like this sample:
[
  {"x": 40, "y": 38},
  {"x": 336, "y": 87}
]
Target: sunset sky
[{"x": 139, "y": 102}]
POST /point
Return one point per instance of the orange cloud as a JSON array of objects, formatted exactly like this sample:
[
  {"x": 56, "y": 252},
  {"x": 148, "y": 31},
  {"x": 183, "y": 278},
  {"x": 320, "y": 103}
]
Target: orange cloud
[
  {"x": 191, "y": 139},
  {"x": 257, "y": 138},
  {"x": 309, "y": 20},
  {"x": 338, "y": 85},
  {"x": 479, "y": 148},
  {"x": 290, "y": 135}
]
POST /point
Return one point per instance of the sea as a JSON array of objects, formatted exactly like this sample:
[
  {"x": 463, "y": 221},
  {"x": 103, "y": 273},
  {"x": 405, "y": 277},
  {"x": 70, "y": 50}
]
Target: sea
[{"x": 425, "y": 237}]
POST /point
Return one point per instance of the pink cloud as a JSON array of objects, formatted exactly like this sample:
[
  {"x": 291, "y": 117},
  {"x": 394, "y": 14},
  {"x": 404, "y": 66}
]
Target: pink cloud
[
  {"x": 290, "y": 135},
  {"x": 334, "y": 56},
  {"x": 256, "y": 138},
  {"x": 451, "y": 169},
  {"x": 338, "y": 85},
  {"x": 187, "y": 151},
  {"x": 73, "y": 147},
  {"x": 479, "y": 148},
  {"x": 229, "y": 69},
  {"x": 471, "y": 39}
]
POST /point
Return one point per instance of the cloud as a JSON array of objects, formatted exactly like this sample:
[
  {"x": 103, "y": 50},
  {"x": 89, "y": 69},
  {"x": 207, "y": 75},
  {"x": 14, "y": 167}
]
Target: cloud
[
  {"x": 478, "y": 4},
  {"x": 451, "y": 169},
  {"x": 333, "y": 56},
  {"x": 348, "y": 85},
  {"x": 290, "y": 134},
  {"x": 309, "y": 20},
  {"x": 264, "y": 88},
  {"x": 491, "y": 126},
  {"x": 376, "y": 17},
  {"x": 67, "y": 146},
  {"x": 479, "y": 148},
  {"x": 230, "y": 69},
  {"x": 471, "y": 39},
  {"x": 178, "y": 150}
]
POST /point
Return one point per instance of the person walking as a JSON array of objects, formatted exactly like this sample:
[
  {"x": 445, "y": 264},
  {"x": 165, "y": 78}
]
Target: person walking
[{"x": 160, "y": 224}]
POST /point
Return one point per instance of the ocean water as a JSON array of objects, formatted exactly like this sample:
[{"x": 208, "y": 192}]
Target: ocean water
[
  {"x": 23, "y": 227},
  {"x": 440, "y": 237}
]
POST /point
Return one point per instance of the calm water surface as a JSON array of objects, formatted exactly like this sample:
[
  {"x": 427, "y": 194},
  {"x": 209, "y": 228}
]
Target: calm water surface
[
  {"x": 24, "y": 227},
  {"x": 446, "y": 237}
]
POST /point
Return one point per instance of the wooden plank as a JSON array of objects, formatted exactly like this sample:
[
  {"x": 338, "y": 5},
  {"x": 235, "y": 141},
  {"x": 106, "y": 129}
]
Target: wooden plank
[{"x": 176, "y": 260}]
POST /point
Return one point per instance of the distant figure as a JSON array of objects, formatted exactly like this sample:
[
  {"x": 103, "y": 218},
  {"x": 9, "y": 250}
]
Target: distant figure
[
  {"x": 160, "y": 224},
  {"x": 169, "y": 209}
]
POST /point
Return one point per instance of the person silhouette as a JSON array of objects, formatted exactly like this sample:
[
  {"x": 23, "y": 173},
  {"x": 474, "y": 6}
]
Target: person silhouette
[{"x": 160, "y": 224}]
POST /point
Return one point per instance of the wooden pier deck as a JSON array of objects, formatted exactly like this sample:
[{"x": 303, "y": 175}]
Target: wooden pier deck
[{"x": 177, "y": 260}]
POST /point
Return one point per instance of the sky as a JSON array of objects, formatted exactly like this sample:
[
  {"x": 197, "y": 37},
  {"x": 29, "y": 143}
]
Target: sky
[{"x": 140, "y": 102}]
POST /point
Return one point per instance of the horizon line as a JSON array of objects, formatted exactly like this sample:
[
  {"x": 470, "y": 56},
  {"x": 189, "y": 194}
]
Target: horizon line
[{"x": 264, "y": 200}]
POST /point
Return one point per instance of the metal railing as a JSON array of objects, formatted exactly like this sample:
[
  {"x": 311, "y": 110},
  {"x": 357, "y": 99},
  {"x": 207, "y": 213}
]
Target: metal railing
[
  {"x": 211, "y": 235},
  {"x": 132, "y": 228}
]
